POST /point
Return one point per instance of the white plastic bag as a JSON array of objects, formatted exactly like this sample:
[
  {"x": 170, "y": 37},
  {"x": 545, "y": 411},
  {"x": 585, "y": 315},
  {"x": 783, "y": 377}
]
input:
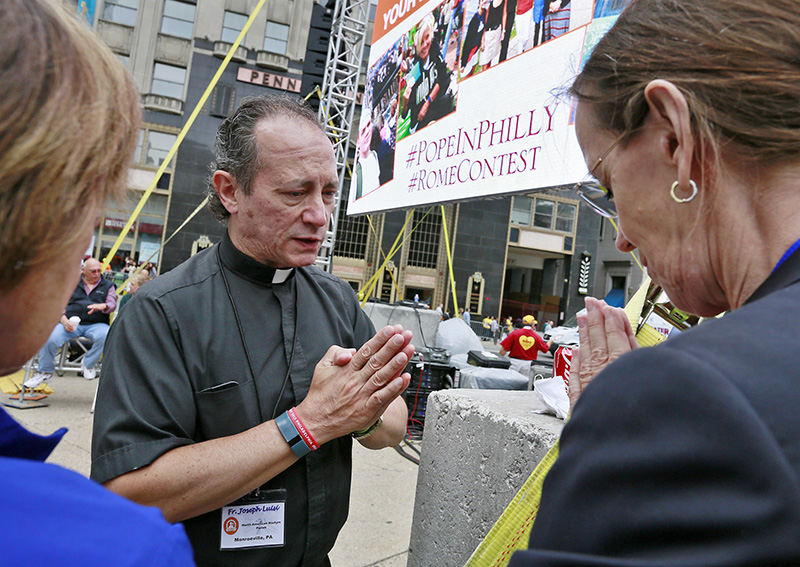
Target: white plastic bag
[{"x": 552, "y": 393}]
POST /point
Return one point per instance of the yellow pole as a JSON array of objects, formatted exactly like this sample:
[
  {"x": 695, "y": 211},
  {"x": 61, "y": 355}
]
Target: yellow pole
[
  {"x": 450, "y": 263},
  {"x": 370, "y": 285}
]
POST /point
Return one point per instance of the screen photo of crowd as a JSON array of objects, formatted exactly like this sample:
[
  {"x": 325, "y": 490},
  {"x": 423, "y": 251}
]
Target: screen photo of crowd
[{"x": 415, "y": 81}]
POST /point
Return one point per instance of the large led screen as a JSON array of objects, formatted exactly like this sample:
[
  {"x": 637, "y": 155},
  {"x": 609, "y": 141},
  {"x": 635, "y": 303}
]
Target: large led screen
[{"x": 466, "y": 99}]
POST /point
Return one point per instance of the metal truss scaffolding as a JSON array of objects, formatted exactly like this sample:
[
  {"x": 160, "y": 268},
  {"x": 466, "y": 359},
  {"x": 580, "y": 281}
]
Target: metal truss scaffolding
[{"x": 338, "y": 98}]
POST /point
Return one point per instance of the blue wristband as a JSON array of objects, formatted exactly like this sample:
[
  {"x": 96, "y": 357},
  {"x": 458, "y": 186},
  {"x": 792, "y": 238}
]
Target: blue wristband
[{"x": 291, "y": 435}]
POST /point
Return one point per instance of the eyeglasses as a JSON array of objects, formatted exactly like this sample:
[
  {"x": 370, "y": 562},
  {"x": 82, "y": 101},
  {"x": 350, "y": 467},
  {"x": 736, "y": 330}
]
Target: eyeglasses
[{"x": 600, "y": 199}]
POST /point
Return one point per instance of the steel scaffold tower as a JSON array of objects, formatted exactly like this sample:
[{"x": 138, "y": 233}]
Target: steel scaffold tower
[{"x": 338, "y": 97}]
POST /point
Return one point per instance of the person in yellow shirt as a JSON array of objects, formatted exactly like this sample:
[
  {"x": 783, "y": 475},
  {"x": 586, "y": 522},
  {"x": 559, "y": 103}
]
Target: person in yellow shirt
[{"x": 487, "y": 326}]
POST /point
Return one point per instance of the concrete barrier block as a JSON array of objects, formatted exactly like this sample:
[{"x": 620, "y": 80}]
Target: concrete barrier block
[
  {"x": 423, "y": 323},
  {"x": 479, "y": 448}
]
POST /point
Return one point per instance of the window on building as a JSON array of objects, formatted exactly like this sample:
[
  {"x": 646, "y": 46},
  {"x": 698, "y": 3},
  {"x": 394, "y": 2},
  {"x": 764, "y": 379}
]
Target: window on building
[
  {"x": 143, "y": 240},
  {"x": 351, "y": 233},
  {"x": 276, "y": 38},
  {"x": 158, "y": 145},
  {"x": 548, "y": 214},
  {"x": 168, "y": 80},
  {"x": 423, "y": 248},
  {"x": 151, "y": 150},
  {"x": 373, "y": 8},
  {"x": 124, "y": 59},
  {"x": 543, "y": 213},
  {"x": 521, "y": 210},
  {"x": 565, "y": 217},
  {"x": 121, "y": 11},
  {"x": 178, "y": 19},
  {"x": 232, "y": 25}
]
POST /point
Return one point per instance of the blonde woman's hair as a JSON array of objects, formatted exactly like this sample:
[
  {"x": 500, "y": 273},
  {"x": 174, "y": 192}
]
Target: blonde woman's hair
[
  {"x": 428, "y": 22},
  {"x": 140, "y": 278},
  {"x": 69, "y": 115}
]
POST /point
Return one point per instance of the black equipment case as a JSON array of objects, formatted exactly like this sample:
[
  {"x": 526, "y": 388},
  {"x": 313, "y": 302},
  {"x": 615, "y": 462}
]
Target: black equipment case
[{"x": 487, "y": 360}]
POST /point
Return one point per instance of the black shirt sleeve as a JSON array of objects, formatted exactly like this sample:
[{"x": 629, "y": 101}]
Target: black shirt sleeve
[{"x": 138, "y": 420}]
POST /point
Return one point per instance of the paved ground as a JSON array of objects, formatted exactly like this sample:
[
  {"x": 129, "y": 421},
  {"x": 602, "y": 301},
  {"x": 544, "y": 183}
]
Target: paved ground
[{"x": 377, "y": 532}]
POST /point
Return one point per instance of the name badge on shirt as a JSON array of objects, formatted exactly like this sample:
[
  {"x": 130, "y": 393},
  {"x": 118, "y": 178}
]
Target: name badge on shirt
[{"x": 255, "y": 520}]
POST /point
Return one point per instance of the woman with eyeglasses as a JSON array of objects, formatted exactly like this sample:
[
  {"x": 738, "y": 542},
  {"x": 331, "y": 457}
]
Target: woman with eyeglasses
[{"x": 688, "y": 453}]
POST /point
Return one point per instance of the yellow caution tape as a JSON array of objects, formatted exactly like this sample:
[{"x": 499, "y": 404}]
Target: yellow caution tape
[
  {"x": 197, "y": 209},
  {"x": 636, "y": 303},
  {"x": 449, "y": 261},
  {"x": 366, "y": 292},
  {"x": 512, "y": 530}
]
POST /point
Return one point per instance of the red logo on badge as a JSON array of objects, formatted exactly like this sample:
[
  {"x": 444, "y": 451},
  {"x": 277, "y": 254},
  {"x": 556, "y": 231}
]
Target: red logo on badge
[{"x": 231, "y": 526}]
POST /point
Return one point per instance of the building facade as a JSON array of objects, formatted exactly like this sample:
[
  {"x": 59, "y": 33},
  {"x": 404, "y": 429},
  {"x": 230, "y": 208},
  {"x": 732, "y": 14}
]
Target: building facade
[{"x": 173, "y": 48}]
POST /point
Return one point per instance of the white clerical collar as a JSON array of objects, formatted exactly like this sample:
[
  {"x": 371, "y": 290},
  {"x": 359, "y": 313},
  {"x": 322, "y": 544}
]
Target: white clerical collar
[{"x": 281, "y": 275}]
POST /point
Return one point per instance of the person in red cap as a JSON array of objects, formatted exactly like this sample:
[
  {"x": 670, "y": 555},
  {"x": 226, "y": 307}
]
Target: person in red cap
[{"x": 524, "y": 343}]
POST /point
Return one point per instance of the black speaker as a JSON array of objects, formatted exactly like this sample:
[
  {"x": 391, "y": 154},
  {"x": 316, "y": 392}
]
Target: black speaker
[{"x": 316, "y": 51}]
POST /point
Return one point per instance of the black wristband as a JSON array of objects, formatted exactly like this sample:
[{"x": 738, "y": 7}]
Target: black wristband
[{"x": 291, "y": 435}]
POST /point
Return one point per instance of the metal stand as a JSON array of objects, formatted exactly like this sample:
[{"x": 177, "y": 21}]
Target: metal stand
[
  {"x": 30, "y": 401},
  {"x": 94, "y": 401},
  {"x": 339, "y": 92}
]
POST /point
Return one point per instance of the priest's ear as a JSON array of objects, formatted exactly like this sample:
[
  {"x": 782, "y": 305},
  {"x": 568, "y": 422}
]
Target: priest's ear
[{"x": 227, "y": 189}]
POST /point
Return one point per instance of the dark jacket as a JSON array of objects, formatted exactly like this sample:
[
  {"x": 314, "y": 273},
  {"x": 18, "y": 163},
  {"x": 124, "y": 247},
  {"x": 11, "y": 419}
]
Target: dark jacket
[
  {"x": 176, "y": 372},
  {"x": 688, "y": 453},
  {"x": 80, "y": 300}
]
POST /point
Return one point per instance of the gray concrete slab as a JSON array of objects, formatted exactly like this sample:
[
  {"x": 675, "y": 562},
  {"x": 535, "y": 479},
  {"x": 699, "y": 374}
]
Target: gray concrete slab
[
  {"x": 480, "y": 447},
  {"x": 381, "y": 502},
  {"x": 422, "y": 322}
]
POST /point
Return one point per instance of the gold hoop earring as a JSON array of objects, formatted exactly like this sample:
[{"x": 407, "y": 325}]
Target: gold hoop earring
[{"x": 677, "y": 199}]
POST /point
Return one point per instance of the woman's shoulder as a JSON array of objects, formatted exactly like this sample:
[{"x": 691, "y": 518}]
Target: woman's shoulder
[{"x": 664, "y": 439}]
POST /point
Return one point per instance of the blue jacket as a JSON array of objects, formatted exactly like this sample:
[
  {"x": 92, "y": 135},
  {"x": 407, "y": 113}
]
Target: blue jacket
[{"x": 55, "y": 517}]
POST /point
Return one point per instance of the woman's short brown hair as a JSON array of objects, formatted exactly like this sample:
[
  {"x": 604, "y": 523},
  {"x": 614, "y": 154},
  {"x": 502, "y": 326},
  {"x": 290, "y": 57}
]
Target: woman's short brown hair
[
  {"x": 69, "y": 114},
  {"x": 737, "y": 62}
]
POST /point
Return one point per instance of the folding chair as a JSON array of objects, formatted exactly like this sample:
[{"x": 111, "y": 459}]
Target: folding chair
[{"x": 71, "y": 354}]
